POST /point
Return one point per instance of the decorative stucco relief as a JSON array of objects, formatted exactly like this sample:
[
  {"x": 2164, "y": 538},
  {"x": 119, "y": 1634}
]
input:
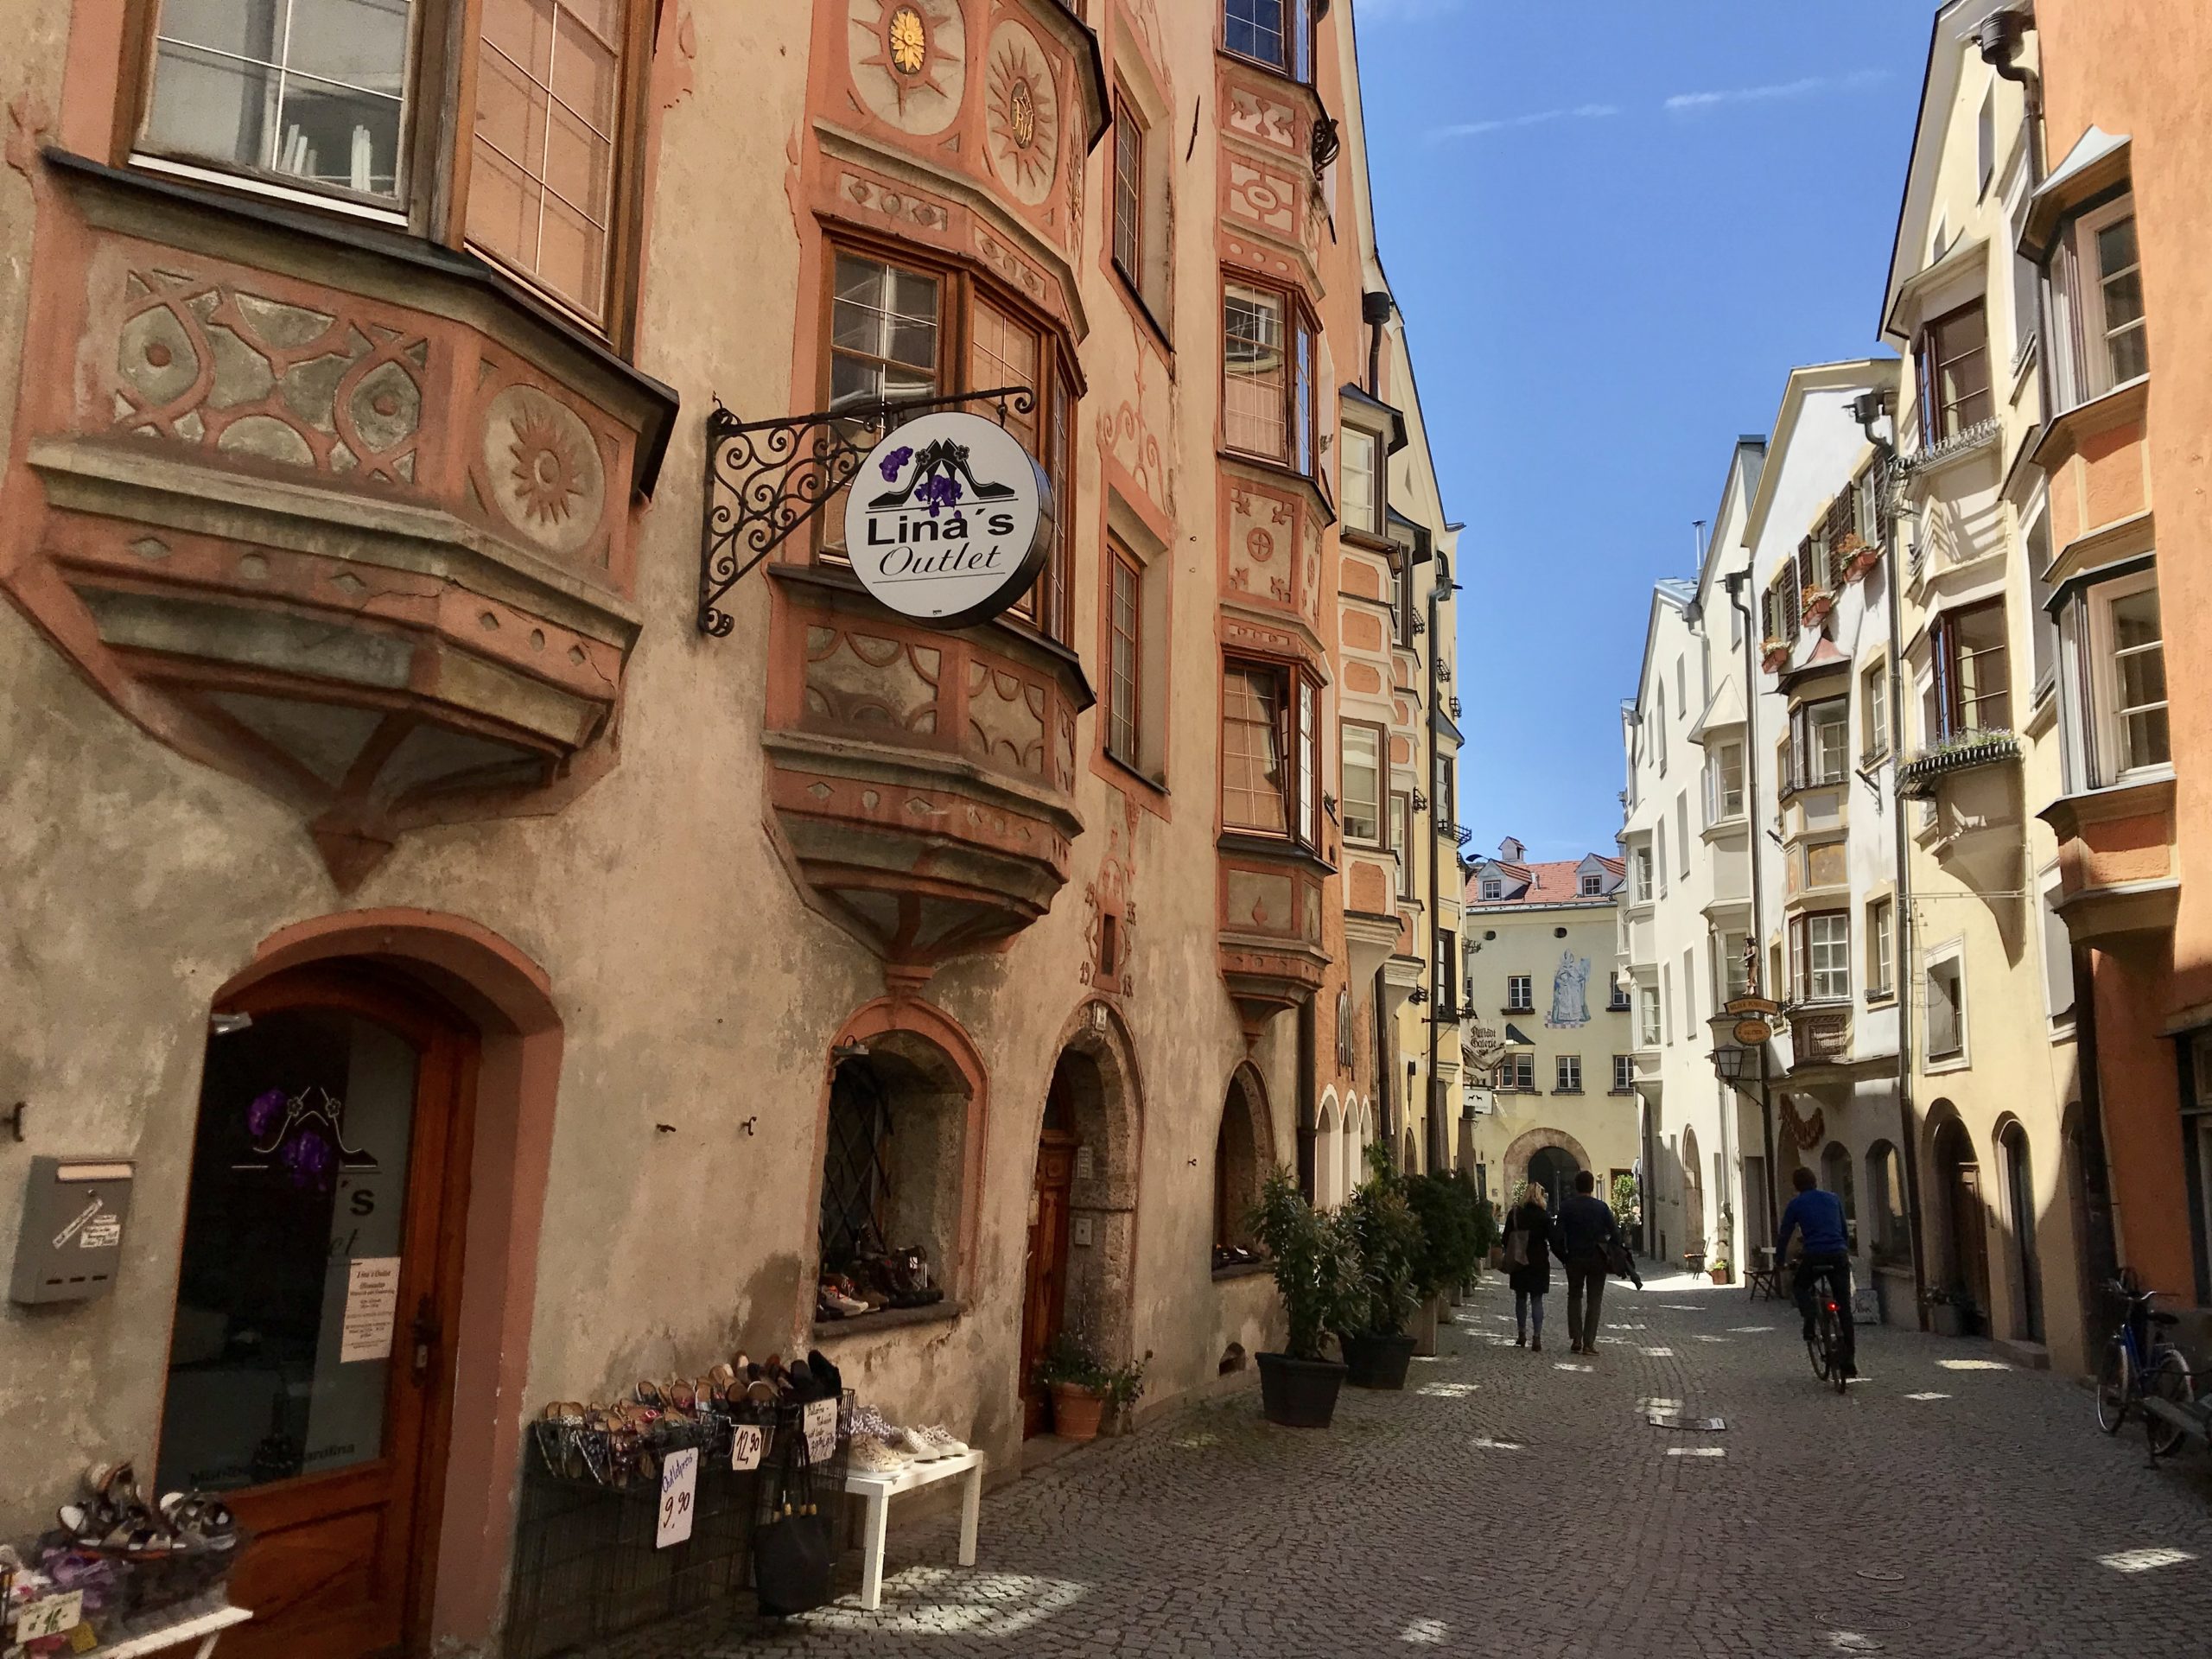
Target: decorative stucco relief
[
  {"x": 1266, "y": 119},
  {"x": 1264, "y": 196},
  {"x": 1005, "y": 719},
  {"x": 542, "y": 465},
  {"x": 217, "y": 368},
  {"x": 1112, "y": 896},
  {"x": 1021, "y": 107},
  {"x": 864, "y": 679},
  {"x": 909, "y": 61},
  {"x": 877, "y": 197},
  {"x": 1262, "y": 528},
  {"x": 1013, "y": 267}
]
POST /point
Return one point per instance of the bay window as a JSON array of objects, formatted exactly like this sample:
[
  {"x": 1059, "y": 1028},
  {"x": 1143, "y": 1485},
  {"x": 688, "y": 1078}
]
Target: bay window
[
  {"x": 1724, "y": 783},
  {"x": 1278, "y": 34},
  {"x": 2112, "y": 642},
  {"x": 1402, "y": 841},
  {"x": 1270, "y": 763},
  {"x": 2096, "y": 301},
  {"x": 1359, "y": 480},
  {"x": 1648, "y": 1027},
  {"x": 1267, "y": 376},
  {"x": 1819, "y": 741},
  {"x": 1819, "y": 949},
  {"x": 891, "y": 328},
  {"x": 1972, "y": 688},
  {"x": 1362, "y": 782},
  {"x": 343, "y": 103},
  {"x": 1953, "y": 360}
]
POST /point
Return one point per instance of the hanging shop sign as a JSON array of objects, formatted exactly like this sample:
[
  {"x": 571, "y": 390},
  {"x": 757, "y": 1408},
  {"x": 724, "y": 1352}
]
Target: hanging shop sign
[{"x": 949, "y": 521}]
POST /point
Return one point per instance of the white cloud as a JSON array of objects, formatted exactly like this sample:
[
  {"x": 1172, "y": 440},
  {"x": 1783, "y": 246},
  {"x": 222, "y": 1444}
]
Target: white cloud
[
  {"x": 1506, "y": 124},
  {"x": 1775, "y": 91}
]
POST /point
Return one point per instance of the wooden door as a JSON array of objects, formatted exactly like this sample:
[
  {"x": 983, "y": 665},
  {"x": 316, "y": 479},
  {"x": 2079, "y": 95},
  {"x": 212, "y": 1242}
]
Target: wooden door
[
  {"x": 310, "y": 1371},
  {"x": 1044, "y": 1289},
  {"x": 1970, "y": 1236}
]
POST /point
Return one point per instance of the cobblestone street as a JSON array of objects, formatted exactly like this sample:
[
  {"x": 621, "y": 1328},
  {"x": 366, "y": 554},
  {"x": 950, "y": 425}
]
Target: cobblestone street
[{"x": 1514, "y": 1503}]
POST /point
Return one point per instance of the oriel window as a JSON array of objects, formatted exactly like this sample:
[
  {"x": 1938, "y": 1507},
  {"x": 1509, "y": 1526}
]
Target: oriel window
[{"x": 1954, "y": 362}]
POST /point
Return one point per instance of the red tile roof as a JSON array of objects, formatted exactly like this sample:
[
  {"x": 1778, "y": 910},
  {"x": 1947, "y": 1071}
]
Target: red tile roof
[{"x": 1555, "y": 883}]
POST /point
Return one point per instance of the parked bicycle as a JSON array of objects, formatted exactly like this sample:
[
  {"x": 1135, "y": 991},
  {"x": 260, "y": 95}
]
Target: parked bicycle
[
  {"x": 2139, "y": 1364},
  {"x": 1825, "y": 1346}
]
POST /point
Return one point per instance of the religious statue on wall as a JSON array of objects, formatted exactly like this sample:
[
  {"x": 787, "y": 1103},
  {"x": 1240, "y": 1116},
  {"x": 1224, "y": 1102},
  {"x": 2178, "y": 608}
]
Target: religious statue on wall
[{"x": 1570, "y": 1000}]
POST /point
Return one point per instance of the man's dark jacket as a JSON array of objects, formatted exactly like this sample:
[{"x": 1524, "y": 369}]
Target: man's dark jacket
[{"x": 1584, "y": 1227}]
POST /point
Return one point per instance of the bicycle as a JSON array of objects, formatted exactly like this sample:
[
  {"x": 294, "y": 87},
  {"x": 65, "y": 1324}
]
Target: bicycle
[
  {"x": 2138, "y": 1365},
  {"x": 1825, "y": 1346}
]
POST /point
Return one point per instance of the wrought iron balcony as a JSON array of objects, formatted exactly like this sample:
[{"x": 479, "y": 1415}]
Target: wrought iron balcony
[{"x": 1919, "y": 777}]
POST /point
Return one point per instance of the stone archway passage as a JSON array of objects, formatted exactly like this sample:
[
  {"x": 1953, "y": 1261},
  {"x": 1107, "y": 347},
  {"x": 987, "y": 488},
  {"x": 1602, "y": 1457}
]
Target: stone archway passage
[
  {"x": 1523, "y": 1152},
  {"x": 1100, "y": 1094}
]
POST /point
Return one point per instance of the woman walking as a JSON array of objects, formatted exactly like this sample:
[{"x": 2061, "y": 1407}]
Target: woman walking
[{"x": 1528, "y": 1263}]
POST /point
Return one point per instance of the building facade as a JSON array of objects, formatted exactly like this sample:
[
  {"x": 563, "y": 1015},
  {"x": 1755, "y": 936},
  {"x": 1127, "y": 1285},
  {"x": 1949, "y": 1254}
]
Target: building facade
[
  {"x": 501, "y": 883},
  {"x": 1543, "y": 973}
]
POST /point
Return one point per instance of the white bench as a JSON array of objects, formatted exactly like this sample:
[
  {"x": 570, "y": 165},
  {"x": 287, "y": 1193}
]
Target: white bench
[
  {"x": 879, "y": 1490},
  {"x": 203, "y": 1628}
]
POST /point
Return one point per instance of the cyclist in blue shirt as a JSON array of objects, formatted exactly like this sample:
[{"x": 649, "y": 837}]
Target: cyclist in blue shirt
[{"x": 1817, "y": 1218}]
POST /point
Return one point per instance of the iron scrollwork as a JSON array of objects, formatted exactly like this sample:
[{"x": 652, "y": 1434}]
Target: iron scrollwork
[{"x": 767, "y": 479}]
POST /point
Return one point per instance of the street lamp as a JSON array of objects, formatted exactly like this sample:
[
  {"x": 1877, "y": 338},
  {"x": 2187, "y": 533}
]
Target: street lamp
[{"x": 1740, "y": 1034}]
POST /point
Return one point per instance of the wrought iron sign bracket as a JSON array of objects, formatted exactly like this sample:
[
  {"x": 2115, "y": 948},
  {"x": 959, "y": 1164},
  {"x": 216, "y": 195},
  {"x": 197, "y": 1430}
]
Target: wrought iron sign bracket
[{"x": 767, "y": 479}]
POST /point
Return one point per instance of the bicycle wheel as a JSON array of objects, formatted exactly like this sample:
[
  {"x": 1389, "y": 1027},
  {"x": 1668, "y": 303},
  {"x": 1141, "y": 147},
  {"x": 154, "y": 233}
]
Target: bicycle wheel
[
  {"x": 2169, "y": 1379},
  {"x": 1832, "y": 1344},
  {"x": 2115, "y": 1387},
  {"x": 1816, "y": 1350}
]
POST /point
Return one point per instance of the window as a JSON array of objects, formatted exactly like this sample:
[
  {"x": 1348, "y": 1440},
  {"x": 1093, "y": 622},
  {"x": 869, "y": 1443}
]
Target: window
[
  {"x": 1947, "y": 1013},
  {"x": 1262, "y": 790},
  {"x": 1972, "y": 680},
  {"x": 1820, "y": 743},
  {"x": 1448, "y": 974},
  {"x": 1402, "y": 597},
  {"x": 1493, "y": 887},
  {"x": 896, "y": 1125},
  {"x": 1659, "y": 836},
  {"x": 1659, "y": 731},
  {"x": 1623, "y": 1074},
  {"x": 1616, "y": 997},
  {"x": 1402, "y": 841},
  {"x": 325, "y": 101},
  {"x": 1592, "y": 887},
  {"x": 1735, "y": 965},
  {"x": 1954, "y": 365},
  {"x": 1819, "y": 946},
  {"x": 1881, "y": 917},
  {"x": 1567, "y": 1073},
  {"x": 2130, "y": 653},
  {"x": 1647, "y": 1024},
  {"x": 1892, "y": 1241},
  {"x": 1363, "y": 782},
  {"x": 1128, "y": 192},
  {"x": 1683, "y": 833},
  {"x": 1689, "y": 993},
  {"x": 1268, "y": 376},
  {"x": 2096, "y": 299},
  {"x": 1518, "y": 999},
  {"x": 1835, "y": 1175},
  {"x": 1643, "y": 875},
  {"x": 883, "y": 333},
  {"x": 1724, "y": 783},
  {"x": 1986, "y": 141},
  {"x": 1447, "y": 799},
  {"x": 1874, "y": 713},
  {"x": 1666, "y": 995},
  {"x": 1124, "y": 626},
  {"x": 2057, "y": 958},
  {"x": 1517, "y": 1071},
  {"x": 1277, "y": 33},
  {"x": 1360, "y": 480},
  {"x": 2044, "y": 647}
]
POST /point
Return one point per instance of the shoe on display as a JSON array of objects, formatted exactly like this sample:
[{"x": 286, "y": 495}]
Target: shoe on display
[
  {"x": 941, "y": 1443},
  {"x": 867, "y": 1455}
]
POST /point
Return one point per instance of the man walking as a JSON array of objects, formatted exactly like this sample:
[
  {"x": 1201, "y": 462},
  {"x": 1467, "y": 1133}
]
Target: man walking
[{"x": 1582, "y": 1236}]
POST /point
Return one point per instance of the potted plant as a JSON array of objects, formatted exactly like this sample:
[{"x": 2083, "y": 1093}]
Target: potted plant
[
  {"x": 1377, "y": 1343},
  {"x": 1773, "y": 653},
  {"x": 1317, "y": 1274},
  {"x": 1951, "y": 1311},
  {"x": 1122, "y": 1387},
  {"x": 1077, "y": 1383},
  {"x": 1485, "y": 1221},
  {"x": 1448, "y": 1211},
  {"x": 1718, "y": 1268}
]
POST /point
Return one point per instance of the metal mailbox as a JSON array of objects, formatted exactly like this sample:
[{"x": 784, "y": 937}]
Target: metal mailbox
[{"x": 72, "y": 1236}]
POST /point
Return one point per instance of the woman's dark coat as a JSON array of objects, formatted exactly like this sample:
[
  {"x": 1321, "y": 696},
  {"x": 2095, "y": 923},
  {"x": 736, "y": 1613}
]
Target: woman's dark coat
[{"x": 1536, "y": 1222}]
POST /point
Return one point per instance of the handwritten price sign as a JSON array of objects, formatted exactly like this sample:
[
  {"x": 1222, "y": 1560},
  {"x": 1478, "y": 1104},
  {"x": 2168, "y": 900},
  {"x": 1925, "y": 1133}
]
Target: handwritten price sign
[
  {"x": 746, "y": 1440},
  {"x": 821, "y": 1430},
  {"x": 50, "y": 1617},
  {"x": 679, "y": 1491}
]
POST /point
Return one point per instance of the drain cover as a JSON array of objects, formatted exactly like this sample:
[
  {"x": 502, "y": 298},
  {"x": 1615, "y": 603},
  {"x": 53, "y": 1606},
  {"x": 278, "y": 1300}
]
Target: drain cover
[{"x": 1676, "y": 1420}]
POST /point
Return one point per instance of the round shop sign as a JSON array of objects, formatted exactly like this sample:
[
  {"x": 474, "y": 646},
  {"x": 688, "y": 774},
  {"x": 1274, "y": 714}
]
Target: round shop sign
[
  {"x": 1752, "y": 1033},
  {"x": 949, "y": 521}
]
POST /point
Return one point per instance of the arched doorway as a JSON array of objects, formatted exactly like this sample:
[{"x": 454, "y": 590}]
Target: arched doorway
[
  {"x": 2020, "y": 1222},
  {"x": 1692, "y": 1194},
  {"x": 1243, "y": 1152},
  {"x": 1329, "y": 1157},
  {"x": 311, "y": 1366},
  {"x": 1958, "y": 1181},
  {"x": 1044, "y": 1285},
  {"x": 1554, "y": 1168}
]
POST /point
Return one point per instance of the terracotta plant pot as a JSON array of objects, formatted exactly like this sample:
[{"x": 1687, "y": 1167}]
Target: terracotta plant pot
[
  {"x": 1077, "y": 1411},
  {"x": 1721, "y": 1275},
  {"x": 1298, "y": 1393}
]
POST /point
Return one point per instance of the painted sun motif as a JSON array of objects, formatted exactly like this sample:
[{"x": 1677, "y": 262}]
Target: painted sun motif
[
  {"x": 547, "y": 479},
  {"x": 908, "y": 59},
  {"x": 1021, "y": 108},
  {"x": 908, "y": 41}
]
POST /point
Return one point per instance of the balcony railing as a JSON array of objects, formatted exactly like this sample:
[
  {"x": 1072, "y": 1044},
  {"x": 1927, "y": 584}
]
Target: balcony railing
[{"x": 1918, "y": 776}]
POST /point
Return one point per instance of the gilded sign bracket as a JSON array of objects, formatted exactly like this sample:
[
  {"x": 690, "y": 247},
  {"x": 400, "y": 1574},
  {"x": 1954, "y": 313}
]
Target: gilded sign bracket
[{"x": 767, "y": 479}]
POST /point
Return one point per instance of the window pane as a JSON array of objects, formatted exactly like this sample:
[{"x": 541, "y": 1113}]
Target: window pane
[
  {"x": 1358, "y": 481},
  {"x": 1254, "y": 29},
  {"x": 548, "y": 78},
  {"x": 311, "y": 89},
  {"x": 1128, "y": 192},
  {"x": 1253, "y": 780},
  {"x": 1255, "y": 386},
  {"x": 1121, "y": 682},
  {"x": 1362, "y": 784},
  {"x": 1309, "y": 762}
]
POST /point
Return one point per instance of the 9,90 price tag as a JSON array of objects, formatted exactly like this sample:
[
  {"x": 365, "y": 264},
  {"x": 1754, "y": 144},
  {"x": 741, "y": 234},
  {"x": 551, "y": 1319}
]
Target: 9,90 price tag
[{"x": 679, "y": 1489}]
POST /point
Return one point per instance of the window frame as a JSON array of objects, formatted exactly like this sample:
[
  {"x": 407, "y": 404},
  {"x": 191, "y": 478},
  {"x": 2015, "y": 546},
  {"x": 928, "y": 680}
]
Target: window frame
[
  {"x": 1950, "y": 955},
  {"x": 1874, "y": 712},
  {"x": 1807, "y": 760},
  {"x": 1881, "y": 948},
  {"x": 1127, "y": 175},
  {"x": 1402, "y": 839},
  {"x": 1806, "y": 976},
  {"x": 1048, "y": 608},
  {"x": 1717, "y": 789},
  {"x": 1623, "y": 1074},
  {"x": 436, "y": 148},
  {"x": 1516, "y": 1072},
  {"x": 1949, "y": 701},
  {"x": 1299, "y": 734},
  {"x": 1650, "y": 1017},
  {"x": 1524, "y": 1003},
  {"x": 1563, "y": 1065},
  {"x": 1376, "y": 527},
  {"x": 1590, "y": 887},
  {"x": 1941, "y": 418},
  {"x": 1300, "y": 334},
  {"x": 2075, "y": 283},
  {"x": 1381, "y": 736},
  {"x": 1122, "y": 717},
  {"x": 1296, "y": 61},
  {"x": 2109, "y": 719}
]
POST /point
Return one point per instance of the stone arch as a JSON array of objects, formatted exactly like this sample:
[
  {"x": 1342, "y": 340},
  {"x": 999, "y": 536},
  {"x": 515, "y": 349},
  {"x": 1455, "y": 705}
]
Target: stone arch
[
  {"x": 1244, "y": 1155},
  {"x": 509, "y": 999},
  {"x": 2014, "y": 1201},
  {"x": 1328, "y": 1152},
  {"x": 1694, "y": 1233},
  {"x": 1528, "y": 1145},
  {"x": 1957, "y": 1238},
  {"x": 1097, "y": 1069}
]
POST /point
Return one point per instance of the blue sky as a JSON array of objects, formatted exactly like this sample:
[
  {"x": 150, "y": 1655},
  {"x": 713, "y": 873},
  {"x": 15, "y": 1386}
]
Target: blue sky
[{"x": 1613, "y": 225}]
